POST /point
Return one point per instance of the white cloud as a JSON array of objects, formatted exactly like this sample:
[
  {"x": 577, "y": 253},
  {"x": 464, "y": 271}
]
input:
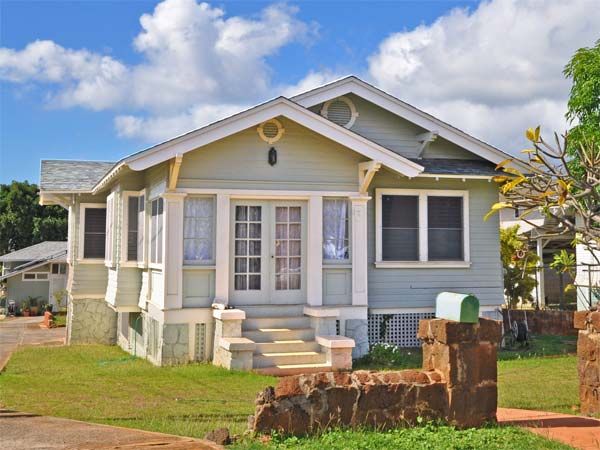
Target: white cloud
[
  {"x": 494, "y": 71},
  {"x": 194, "y": 59}
]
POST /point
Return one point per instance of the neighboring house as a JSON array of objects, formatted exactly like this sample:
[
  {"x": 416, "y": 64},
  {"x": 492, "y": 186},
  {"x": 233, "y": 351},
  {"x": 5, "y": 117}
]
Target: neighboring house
[
  {"x": 342, "y": 203},
  {"x": 37, "y": 271}
]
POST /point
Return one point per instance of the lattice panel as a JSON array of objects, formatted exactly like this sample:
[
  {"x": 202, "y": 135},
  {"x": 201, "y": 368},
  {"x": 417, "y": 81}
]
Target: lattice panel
[
  {"x": 398, "y": 329},
  {"x": 200, "y": 350}
]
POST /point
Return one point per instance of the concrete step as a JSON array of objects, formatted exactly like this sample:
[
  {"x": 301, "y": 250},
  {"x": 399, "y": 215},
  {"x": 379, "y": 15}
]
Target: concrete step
[
  {"x": 278, "y": 359},
  {"x": 280, "y": 334},
  {"x": 273, "y": 310},
  {"x": 287, "y": 347},
  {"x": 257, "y": 323},
  {"x": 285, "y": 370}
]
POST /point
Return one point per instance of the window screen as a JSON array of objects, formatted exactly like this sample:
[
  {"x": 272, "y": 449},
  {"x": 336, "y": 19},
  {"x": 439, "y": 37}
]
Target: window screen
[
  {"x": 335, "y": 229},
  {"x": 157, "y": 231},
  {"x": 400, "y": 227},
  {"x": 445, "y": 228},
  {"x": 94, "y": 240},
  {"x": 198, "y": 230},
  {"x": 141, "y": 221}
]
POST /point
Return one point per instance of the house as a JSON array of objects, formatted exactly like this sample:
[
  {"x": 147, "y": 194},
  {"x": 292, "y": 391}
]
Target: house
[
  {"x": 546, "y": 238},
  {"x": 39, "y": 272},
  {"x": 342, "y": 210}
]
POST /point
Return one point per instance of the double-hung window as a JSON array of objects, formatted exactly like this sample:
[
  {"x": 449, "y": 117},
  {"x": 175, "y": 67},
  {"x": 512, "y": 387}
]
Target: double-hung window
[
  {"x": 335, "y": 230},
  {"x": 422, "y": 227},
  {"x": 198, "y": 230},
  {"x": 133, "y": 249},
  {"x": 156, "y": 231},
  {"x": 92, "y": 231}
]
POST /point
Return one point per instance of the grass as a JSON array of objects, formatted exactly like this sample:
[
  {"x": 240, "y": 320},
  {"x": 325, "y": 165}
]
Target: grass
[
  {"x": 106, "y": 385},
  {"x": 417, "y": 438}
]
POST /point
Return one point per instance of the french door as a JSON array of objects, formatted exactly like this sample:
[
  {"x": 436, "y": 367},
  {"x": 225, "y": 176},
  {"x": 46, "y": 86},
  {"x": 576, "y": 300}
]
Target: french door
[{"x": 268, "y": 248}]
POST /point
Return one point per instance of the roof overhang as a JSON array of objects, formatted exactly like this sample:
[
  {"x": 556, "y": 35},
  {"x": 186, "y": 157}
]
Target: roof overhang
[
  {"x": 59, "y": 258},
  {"x": 353, "y": 85},
  {"x": 280, "y": 106}
]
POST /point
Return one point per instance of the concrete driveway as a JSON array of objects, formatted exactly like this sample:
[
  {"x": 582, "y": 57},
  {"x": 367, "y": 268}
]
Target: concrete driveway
[
  {"x": 21, "y": 331},
  {"x": 19, "y": 431}
]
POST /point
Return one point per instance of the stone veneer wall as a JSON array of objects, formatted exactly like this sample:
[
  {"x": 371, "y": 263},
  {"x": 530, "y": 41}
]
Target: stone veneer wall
[
  {"x": 358, "y": 329},
  {"x": 175, "y": 344},
  {"x": 588, "y": 365},
  {"x": 91, "y": 321},
  {"x": 458, "y": 384}
]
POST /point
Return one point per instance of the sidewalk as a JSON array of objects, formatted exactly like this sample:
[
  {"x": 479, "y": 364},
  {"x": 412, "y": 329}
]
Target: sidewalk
[
  {"x": 21, "y": 431},
  {"x": 577, "y": 431},
  {"x": 17, "y": 331}
]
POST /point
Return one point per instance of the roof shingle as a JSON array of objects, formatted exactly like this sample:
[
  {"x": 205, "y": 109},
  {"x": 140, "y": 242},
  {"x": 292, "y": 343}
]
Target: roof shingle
[
  {"x": 43, "y": 250},
  {"x": 72, "y": 176},
  {"x": 439, "y": 166}
]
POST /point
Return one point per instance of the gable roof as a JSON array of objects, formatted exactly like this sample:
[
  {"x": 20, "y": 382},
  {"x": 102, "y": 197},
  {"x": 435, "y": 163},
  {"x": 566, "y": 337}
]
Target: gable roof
[
  {"x": 354, "y": 85},
  {"x": 279, "y": 106},
  {"x": 72, "y": 176},
  {"x": 43, "y": 250}
]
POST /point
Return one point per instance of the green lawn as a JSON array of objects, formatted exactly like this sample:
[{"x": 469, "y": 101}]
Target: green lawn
[{"x": 105, "y": 385}]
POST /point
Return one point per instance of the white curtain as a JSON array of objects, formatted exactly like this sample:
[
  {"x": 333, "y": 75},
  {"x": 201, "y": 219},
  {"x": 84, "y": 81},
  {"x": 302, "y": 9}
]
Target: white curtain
[
  {"x": 198, "y": 230},
  {"x": 335, "y": 229}
]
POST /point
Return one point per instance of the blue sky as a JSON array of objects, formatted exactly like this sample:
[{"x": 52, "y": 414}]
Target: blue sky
[{"x": 102, "y": 85}]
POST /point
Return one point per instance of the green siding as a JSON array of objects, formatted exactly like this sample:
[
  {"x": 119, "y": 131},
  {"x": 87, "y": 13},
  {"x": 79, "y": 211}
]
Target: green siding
[
  {"x": 305, "y": 161},
  {"x": 411, "y": 288}
]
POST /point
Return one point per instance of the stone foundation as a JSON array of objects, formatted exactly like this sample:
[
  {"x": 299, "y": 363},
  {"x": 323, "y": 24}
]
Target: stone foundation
[
  {"x": 457, "y": 385},
  {"x": 91, "y": 321},
  {"x": 358, "y": 329},
  {"x": 175, "y": 344},
  {"x": 588, "y": 364}
]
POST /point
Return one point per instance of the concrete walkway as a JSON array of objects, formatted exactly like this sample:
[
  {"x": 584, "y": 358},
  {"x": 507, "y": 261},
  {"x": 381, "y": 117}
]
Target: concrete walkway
[
  {"x": 576, "y": 431},
  {"x": 19, "y": 431},
  {"x": 18, "y": 331}
]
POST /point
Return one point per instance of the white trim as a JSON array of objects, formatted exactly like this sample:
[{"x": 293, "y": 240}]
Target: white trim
[
  {"x": 268, "y": 194},
  {"x": 423, "y": 261},
  {"x": 459, "y": 177},
  {"x": 359, "y": 252},
  {"x": 123, "y": 261},
  {"x": 172, "y": 243},
  {"x": 241, "y": 121},
  {"x": 36, "y": 276},
  {"x": 401, "y": 310},
  {"x": 314, "y": 253},
  {"x": 82, "y": 208},
  {"x": 110, "y": 228},
  {"x": 386, "y": 101},
  {"x": 222, "y": 205},
  {"x": 348, "y": 102}
]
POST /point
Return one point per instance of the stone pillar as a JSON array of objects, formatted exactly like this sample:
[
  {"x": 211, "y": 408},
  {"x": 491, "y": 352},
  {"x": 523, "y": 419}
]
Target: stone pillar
[
  {"x": 465, "y": 355},
  {"x": 230, "y": 349},
  {"x": 588, "y": 354},
  {"x": 358, "y": 329}
]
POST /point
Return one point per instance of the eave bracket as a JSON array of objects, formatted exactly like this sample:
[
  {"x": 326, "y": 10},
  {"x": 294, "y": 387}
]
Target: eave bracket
[{"x": 366, "y": 172}]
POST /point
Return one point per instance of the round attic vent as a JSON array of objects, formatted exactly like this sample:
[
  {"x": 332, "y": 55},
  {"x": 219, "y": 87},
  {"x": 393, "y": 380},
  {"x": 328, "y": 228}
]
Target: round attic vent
[
  {"x": 270, "y": 131},
  {"x": 341, "y": 111}
]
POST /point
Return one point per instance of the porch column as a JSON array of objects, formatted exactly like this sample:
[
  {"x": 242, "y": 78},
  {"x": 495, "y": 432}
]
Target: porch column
[
  {"x": 540, "y": 291},
  {"x": 359, "y": 250},
  {"x": 173, "y": 249},
  {"x": 222, "y": 250},
  {"x": 314, "y": 253}
]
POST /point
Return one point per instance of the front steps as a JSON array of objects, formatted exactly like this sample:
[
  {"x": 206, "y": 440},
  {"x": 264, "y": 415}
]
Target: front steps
[{"x": 285, "y": 341}]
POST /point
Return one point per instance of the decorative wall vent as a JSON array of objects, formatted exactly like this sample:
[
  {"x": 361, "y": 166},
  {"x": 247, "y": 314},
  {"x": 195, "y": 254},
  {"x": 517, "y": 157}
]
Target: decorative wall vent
[
  {"x": 271, "y": 131},
  {"x": 341, "y": 111},
  {"x": 200, "y": 350},
  {"x": 398, "y": 329}
]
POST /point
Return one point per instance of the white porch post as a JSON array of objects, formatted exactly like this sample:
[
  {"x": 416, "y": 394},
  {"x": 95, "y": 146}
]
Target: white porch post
[
  {"x": 222, "y": 250},
  {"x": 173, "y": 249},
  {"x": 541, "y": 291},
  {"x": 314, "y": 256},
  {"x": 359, "y": 251}
]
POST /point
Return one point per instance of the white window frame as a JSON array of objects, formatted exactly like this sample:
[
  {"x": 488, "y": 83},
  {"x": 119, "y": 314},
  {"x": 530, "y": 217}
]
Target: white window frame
[
  {"x": 423, "y": 261},
  {"x": 153, "y": 265},
  {"x": 58, "y": 264},
  {"x": 36, "y": 276},
  {"x": 211, "y": 262},
  {"x": 82, "y": 208},
  {"x": 339, "y": 263},
  {"x": 111, "y": 225},
  {"x": 140, "y": 262}
]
